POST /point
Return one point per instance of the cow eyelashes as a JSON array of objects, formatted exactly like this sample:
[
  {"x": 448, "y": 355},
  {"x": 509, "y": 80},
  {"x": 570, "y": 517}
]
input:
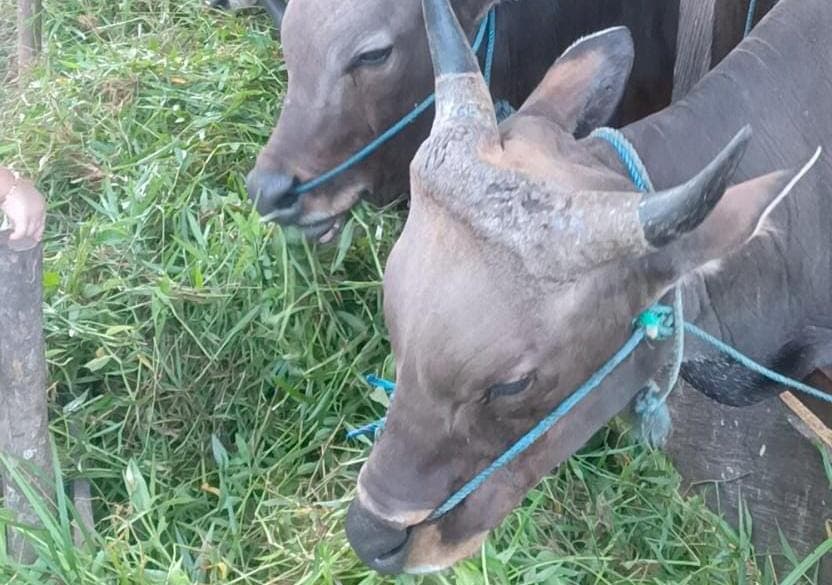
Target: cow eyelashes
[
  {"x": 372, "y": 58},
  {"x": 510, "y": 388}
]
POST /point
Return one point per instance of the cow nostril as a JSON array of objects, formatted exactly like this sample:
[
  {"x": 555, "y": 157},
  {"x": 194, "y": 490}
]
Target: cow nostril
[
  {"x": 287, "y": 200},
  {"x": 272, "y": 191},
  {"x": 380, "y": 546}
]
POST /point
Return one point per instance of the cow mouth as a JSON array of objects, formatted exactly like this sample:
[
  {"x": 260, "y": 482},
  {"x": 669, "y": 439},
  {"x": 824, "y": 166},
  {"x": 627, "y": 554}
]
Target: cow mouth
[
  {"x": 327, "y": 230},
  {"x": 323, "y": 231}
]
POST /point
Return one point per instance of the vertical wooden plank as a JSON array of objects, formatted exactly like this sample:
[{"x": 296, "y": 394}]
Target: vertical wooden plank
[
  {"x": 23, "y": 382},
  {"x": 693, "y": 44}
]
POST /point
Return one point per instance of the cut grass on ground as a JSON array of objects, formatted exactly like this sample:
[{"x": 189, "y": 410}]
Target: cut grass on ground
[{"x": 212, "y": 366}]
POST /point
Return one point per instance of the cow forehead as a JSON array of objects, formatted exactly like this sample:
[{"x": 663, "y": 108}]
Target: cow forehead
[
  {"x": 324, "y": 28},
  {"x": 464, "y": 336},
  {"x": 445, "y": 286}
]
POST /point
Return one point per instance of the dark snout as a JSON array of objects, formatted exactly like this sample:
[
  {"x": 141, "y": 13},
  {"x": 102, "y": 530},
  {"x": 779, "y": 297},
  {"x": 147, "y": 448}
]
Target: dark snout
[
  {"x": 380, "y": 546},
  {"x": 272, "y": 194}
]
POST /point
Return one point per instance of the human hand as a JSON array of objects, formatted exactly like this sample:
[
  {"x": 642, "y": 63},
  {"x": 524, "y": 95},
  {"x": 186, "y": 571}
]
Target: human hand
[{"x": 24, "y": 206}]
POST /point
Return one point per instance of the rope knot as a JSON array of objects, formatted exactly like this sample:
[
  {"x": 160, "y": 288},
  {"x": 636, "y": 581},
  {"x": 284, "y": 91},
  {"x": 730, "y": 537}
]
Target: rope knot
[{"x": 657, "y": 323}]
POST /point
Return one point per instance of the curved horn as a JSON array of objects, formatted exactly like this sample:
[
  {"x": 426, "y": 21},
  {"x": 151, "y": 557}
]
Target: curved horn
[
  {"x": 669, "y": 214},
  {"x": 449, "y": 48},
  {"x": 276, "y": 9},
  {"x": 461, "y": 90}
]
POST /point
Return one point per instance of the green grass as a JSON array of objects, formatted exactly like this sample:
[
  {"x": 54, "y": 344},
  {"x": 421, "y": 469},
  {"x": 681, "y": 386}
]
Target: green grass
[{"x": 211, "y": 364}]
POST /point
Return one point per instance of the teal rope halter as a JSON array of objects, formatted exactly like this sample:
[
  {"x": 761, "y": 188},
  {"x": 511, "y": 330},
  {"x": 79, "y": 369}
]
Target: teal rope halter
[
  {"x": 650, "y": 405},
  {"x": 659, "y": 314},
  {"x": 749, "y": 18},
  {"x": 488, "y": 28}
]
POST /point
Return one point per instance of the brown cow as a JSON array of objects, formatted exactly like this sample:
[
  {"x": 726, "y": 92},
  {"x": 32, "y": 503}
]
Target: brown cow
[{"x": 527, "y": 254}]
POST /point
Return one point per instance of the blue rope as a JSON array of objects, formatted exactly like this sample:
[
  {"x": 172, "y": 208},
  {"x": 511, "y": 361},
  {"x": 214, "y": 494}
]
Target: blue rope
[
  {"x": 754, "y": 366},
  {"x": 749, "y": 19},
  {"x": 653, "y": 421},
  {"x": 628, "y": 156},
  {"x": 488, "y": 25},
  {"x": 491, "y": 19},
  {"x": 377, "y": 382},
  {"x": 372, "y": 429},
  {"x": 368, "y": 430}
]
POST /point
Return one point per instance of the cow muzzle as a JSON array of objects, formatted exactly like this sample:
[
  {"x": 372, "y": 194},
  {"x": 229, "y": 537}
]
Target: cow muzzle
[{"x": 318, "y": 217}]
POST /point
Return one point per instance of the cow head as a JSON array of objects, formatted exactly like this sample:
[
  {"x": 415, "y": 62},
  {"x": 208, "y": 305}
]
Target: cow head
[
  {"x": 521, "y": 267},
  {"x": 354, "y": 70}
]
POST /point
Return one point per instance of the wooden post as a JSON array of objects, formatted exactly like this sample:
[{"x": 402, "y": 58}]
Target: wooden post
[
  {"x": 23, "y": 401},
  {"x": 693, "y": 44},
  {"x": 28, "y": 32}
]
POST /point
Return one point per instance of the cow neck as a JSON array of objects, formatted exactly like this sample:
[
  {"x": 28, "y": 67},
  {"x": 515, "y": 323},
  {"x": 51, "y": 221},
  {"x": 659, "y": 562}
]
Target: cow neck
[{"x": 766, "y": 296}]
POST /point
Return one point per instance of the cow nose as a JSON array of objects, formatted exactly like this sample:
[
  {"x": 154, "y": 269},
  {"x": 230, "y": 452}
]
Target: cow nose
[
  {"x": 272, "y": 193},
  {"x": 380, "y": 546}
]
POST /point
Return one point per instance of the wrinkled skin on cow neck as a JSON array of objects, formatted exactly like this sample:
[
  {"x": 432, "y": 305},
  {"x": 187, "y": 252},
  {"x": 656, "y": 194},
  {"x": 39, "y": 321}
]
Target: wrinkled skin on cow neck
[
  {"x": 332, "y": 109},
  {"x": 474, "y": 301}
]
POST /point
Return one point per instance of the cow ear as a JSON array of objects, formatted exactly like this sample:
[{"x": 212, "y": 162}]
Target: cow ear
[
  {"x": 738, "y": 217},
  {"x": 583, "y": 88}
]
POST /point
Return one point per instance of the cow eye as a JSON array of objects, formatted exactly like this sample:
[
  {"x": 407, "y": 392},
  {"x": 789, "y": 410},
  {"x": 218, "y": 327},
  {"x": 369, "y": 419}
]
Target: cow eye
[
  {"x": 510, "y": 388},
  {"x": 373, "y": 58}
]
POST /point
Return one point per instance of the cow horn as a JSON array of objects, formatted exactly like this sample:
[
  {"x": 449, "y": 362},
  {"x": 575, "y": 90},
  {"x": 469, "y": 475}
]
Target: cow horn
[
  {"x": 461, "y": 90},
  {"x": 669, "y": 214},
  {"x": 449, "y": 48}
]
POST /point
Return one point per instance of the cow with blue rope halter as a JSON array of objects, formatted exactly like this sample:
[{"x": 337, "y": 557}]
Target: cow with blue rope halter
[
  {"x": 513, "y": 296},
  {"x": 357, "y": 102}
]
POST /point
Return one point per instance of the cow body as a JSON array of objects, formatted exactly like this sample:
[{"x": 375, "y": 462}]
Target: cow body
[
  {"x": 735, "y": 301},
  {"x": 772, "y": 301},
  {"x": 527, "y": 254}
]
